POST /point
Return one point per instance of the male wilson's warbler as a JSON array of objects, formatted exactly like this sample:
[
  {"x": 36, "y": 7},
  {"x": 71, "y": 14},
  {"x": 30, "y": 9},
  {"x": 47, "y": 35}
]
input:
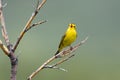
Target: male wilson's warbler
[{"x": 68, "y": 38}]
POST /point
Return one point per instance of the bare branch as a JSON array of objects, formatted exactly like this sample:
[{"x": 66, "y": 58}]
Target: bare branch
[
  {"x": 35, "y": 24},
  {"x": 63, "y": 60},
  {"x": 61, "y": 54},
  {"x": 40, "y": 5},
  {"x": 68, "y": 53},
  {"x": 5, "y": 5},
  {"x": 4, "y": 31},
  {"x": 28, "y": 24},
  {"x": 7, "y": 50},
  {"x": 55, "y": 67},
  {"x": 41, "y": 67},
  {"x": 14, "y": 64},
  {"x": 4, "y": 48}
]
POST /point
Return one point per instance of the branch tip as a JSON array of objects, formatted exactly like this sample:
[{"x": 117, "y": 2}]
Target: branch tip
[
  {"x": 84, "y": 40},
  {"x": 5, "y": 5},
  {"x": 35, "y": 24},
  {"x": 3, "y": 26},
  {"x": 55, "y": 67}
]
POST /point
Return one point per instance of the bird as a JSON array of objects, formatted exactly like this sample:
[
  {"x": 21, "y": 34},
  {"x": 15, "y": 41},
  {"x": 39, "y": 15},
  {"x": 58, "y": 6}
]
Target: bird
[{"x": 68, "y": 38}]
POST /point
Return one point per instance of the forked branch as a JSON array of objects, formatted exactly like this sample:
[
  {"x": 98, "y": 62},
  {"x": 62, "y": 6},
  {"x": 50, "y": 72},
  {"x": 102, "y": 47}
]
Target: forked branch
[
  {"x": 35, "y": 24},
  {"x": 9, "y": 50},
  {"x": 28, "y": 24},
  {"x": 59, "y": 55}
]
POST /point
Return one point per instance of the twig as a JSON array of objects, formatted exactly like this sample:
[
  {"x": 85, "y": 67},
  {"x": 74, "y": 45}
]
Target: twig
[
  {"x": 4, "y": 48},
  {"x": 5, "y": 5},
  {"x": 35, "y": 24},
  {"x": 4, "y": 31},
  {"x": 28, "y": 24},
  {"x": 63, "y": 60},
  {"x": 55, "y": 67},
  {"x": 57, "y": 56}
]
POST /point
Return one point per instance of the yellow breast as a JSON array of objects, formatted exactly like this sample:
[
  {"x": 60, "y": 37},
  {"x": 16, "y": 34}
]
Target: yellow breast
[{"x": 69, "y": 37}]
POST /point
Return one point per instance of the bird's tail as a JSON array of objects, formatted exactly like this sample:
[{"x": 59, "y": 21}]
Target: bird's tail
[{"x": 57, "y": 52}]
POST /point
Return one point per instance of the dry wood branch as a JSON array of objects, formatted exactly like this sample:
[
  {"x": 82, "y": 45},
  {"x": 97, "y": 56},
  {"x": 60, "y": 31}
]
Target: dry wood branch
[
  {"x": 14, "y": 64},
  {"x": 4, "y": 31},
  {"x": 28, "y": 24},
  {"x": 54, "y": 66},
  {"x": 41, "y": 67},
  {"x": 8, "y": 50},
  {"x": 35, "y": 24},
  {"x": 61, "y": 54},
  {"x": 4, "y": 48},
  {"x": 61, "y": 61}
]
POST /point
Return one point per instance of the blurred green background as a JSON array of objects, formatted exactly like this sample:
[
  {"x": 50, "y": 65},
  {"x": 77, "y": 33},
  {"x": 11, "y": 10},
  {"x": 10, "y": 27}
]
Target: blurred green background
[{"x": 97, "y": 59}]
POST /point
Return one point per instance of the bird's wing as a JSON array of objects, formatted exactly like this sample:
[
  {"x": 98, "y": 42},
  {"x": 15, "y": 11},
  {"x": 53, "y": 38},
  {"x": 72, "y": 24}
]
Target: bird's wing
[{"x": 61, "y": 42}]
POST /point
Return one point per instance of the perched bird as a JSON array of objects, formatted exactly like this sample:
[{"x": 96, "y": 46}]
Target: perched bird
[{"x": 68, "y": 38}]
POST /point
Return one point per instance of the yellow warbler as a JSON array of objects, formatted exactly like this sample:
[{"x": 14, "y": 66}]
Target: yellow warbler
[{"x": 68, "y": 38}]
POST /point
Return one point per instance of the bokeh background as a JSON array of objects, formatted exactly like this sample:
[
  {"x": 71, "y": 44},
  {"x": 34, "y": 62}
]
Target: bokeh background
[{"x": 97, "y": 59}]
